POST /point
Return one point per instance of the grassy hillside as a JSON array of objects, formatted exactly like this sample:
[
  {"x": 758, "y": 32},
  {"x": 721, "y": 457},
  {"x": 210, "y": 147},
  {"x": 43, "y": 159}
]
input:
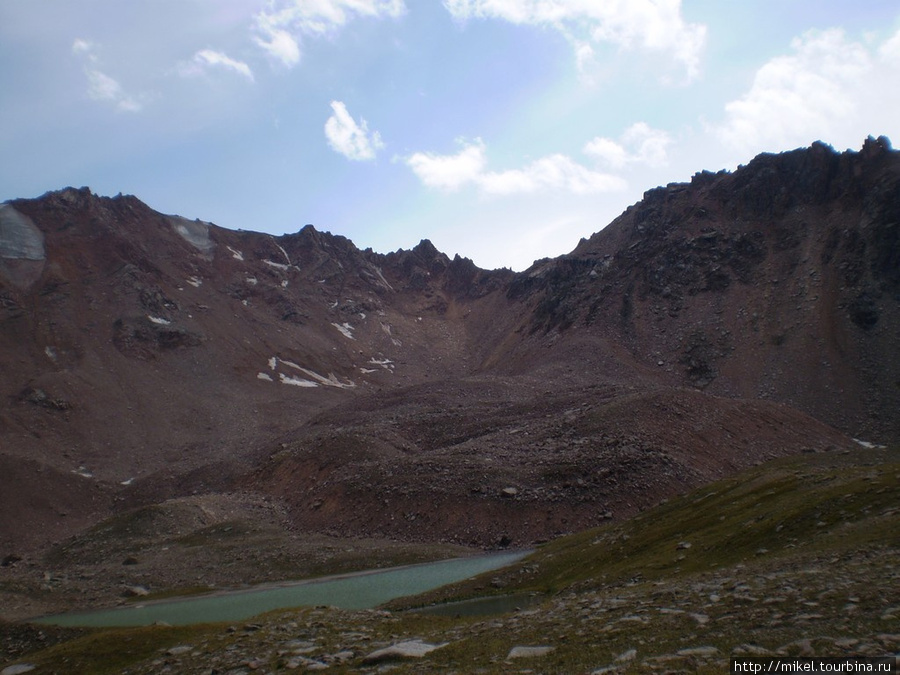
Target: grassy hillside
[{"x": 798, "y": 556}]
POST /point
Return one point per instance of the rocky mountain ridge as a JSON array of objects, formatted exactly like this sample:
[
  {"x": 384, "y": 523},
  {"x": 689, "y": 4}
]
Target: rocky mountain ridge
[
  {"x": 714, "y": 324},
  {"x": 778, "y": 281}
]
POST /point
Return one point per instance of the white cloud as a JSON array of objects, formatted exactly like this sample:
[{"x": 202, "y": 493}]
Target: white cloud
[
  {"x": 890, "y": 50},
  {"x": 352, "y": 140},
  {"x": 205, "y": 59},
  {"x": 102, "y": 87},
  {"x": 84, "y": 47},
  {"x": 449, "y": 172},
  {"x": 638, "y": 145},
  {"x": 827, "y": 89},
  {"x": 280, "y": 45},
  {"x": 554, "y": 173},
  {"x": 654, "y": 25},
  {"x": 282, "y": 24}
]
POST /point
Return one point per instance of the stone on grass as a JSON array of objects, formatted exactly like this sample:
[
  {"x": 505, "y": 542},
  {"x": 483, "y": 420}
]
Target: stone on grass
[
  {"x": 698, "y": 651},
  {"x": 524, "y": 652},
  {"x": 18, "y": 669},
  {"x": 411, "y": 649},
  {"x": 628, "y": 655},
  {"x": 177, "y": 651}
]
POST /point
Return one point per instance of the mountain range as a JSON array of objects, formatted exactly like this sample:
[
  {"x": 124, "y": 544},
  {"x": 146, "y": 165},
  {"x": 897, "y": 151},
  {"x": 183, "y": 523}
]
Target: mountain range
[{"x": 715, "y": 324}]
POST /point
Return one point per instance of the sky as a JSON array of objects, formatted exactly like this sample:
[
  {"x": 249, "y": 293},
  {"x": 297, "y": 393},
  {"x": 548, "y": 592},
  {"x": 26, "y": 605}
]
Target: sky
[{"x": 502, "y": 130}]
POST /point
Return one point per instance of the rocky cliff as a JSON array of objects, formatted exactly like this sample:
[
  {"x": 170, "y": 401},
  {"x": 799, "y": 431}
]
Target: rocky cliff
[{"x": 780, "y": 281}]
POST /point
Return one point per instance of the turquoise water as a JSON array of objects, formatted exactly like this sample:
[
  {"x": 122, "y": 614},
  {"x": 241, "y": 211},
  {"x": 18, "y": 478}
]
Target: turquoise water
[{"x": 359, "y": 591}]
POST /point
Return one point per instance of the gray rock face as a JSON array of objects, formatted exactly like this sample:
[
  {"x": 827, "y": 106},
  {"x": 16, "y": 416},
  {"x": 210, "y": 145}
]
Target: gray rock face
[{"x": 20, "y": 239}]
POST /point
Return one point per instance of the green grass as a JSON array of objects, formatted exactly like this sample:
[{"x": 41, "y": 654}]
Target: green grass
[
  {"x": 109, "y": 652},
  {"x": 811, "y": 502}
]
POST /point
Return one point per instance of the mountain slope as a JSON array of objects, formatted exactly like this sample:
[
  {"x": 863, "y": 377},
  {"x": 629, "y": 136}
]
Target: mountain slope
[
  {"x": 778, "y": 281},
  {"x": 713, "y": 325}
]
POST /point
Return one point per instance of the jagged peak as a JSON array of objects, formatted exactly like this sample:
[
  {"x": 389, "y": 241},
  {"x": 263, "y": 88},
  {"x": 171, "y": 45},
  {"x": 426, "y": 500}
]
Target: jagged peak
[
  {"x": 70, "y": 192},
  {"x": 426, "y": 248},
  {"x": 818, "y": 155},
  {"x": 876, "y": 146},
  {"x": 84, "y": 197}
]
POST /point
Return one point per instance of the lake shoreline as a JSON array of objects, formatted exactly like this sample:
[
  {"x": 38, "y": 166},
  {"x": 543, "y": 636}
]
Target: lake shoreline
[{"x": 270, "y": 588}]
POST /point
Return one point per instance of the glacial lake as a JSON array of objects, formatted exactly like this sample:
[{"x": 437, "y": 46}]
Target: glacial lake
[{"x": 361, "y": 590}]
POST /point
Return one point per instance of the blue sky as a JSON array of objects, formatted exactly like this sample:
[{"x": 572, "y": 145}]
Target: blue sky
[{"x": 502, "y": 130}]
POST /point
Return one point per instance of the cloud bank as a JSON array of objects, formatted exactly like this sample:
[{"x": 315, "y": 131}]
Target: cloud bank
[
  {"x": 654, "y": 25},
  {"x": 827, "y": 88},
  {"x": 638, "y": 145},
  {"x": 555, "y": 172}
]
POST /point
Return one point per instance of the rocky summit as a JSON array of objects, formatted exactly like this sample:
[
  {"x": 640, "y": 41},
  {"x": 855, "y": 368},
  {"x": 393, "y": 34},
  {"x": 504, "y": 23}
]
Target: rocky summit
[{"x": 165, "y": 378}]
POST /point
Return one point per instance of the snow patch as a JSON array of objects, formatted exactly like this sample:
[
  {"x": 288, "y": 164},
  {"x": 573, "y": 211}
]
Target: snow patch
[
  {"x": 383, "y": 280},
  {"x": 346, "y": 329},
  {"x": 158, "y": 320},
  {"x": 284, "y": 283},
  {"x": 387, "y": 364},
  {"x": 283, "y": 252},
  {"x": 128, "y": 482},
  {"x": 314, "y": 380},
  {"x": 330, "y": 381},
  {"x": 868, "y": 444},
  {"x": 368, "y": 370},
  {"x": 296, "y": 381},
  {"x": 281, "y": 266},
  {"x": 195, "y": 282},
  {"x": 264, "y": 376},
  {"x": 237, "y": 255},
  {"x": 50, "y": 352},
  {"x": 386, "y": 328},
  {"x": 252, "y": 281},
  {"x": 81, "y": 471}
]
